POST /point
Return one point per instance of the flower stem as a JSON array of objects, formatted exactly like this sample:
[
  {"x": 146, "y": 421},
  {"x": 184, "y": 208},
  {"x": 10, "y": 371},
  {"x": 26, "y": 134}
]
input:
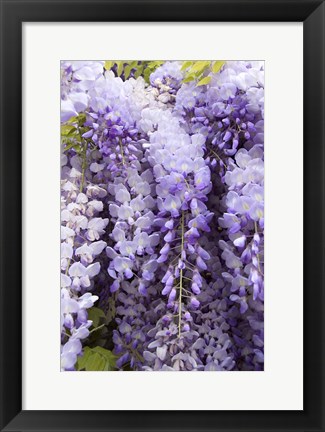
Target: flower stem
[
  {"x": 180, "y": 281},
  {"x": 258, "y": 255},
  {"x": 68, "y": 266},
  {"x": 97, "y": 328},
  {"x": 122, "y": 153},
  {"x": 187, "y": 184},
  {"x": 135, "y": 353},
  {"x": 83, "y": 166},
  {"x": 218, "y": 157}
]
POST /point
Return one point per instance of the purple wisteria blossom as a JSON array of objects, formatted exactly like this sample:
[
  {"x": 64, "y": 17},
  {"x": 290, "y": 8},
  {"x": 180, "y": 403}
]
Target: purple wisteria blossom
[{"x": 162, "y": 216}]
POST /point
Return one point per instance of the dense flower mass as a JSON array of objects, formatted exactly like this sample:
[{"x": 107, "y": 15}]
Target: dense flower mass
[{"x": 162, "y": 216}]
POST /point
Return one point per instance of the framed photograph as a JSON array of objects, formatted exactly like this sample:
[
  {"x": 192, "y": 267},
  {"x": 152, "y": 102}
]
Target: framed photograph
[{"x": 162, "y": 190}]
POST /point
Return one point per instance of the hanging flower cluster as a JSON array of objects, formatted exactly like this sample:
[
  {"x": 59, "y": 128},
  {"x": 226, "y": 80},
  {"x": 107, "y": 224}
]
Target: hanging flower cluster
[{"x": 162, "y": 191}]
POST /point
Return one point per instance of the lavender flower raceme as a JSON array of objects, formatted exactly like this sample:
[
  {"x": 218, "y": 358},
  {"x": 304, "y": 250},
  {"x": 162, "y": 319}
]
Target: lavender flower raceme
[{"x": 162, "y": 215}]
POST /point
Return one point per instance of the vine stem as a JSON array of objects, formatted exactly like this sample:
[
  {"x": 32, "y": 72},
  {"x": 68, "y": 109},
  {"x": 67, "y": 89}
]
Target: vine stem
[
  {"x": 97, "y": 328},
  {"x": 187, "y": 184},
  {"x": 83, "y": 166},
  {"x": 218, "y": 157},
  {"x": 180, "y": 281},
  {"x": 68, "y": 266},
  {"x": 135, "y": 353},
  {"x": 258, "y": 255},
  {"x": 122, "y": 153}
]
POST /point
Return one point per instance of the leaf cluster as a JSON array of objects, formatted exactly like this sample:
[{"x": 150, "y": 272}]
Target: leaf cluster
[
  {"x": 71, "y": 132},
  {"x": 96, "y": 359},
  {"x": 124, "y": 68},
  {"x": 198, "y": 71}
]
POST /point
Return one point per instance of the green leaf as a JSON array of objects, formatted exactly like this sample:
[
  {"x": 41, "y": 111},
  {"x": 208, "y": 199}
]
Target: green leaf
[
  {"x": 199, "y": 67},
  {"x": 146, "y": 75},
  {"x": 95, "y": 314},
  {"x": 217, "y": 66},
  {"x": 72, "y": 120},
  {"x": 97, "y": 359},
  {"x": 82, "y": 361},
  {"x": 138, "y": 72},
  {"x": 81, "y": 119},
  {"x": 71, "y": 145},
  {"x": 189, "y": 79},
  {"x": 154, "y": 64},
  {"x": 149, "y": 68},
  {"x": 186, "y": 65},
  {"x": 127, "y": 72},
  {"x": 204, "y": 81},
  {"x": 109, "y": 357},
  {"x": 95, "y": 362},
  {"x": 68, "y": 130},
  {"x": 109, "y": 65},
  {"x": 104, "y": 352},
  {"x": 120, "y": 66}
]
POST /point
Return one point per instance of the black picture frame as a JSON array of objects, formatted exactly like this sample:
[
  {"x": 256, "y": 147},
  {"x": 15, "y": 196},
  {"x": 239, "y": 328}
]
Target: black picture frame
[{"x": 13, "y": 14}]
